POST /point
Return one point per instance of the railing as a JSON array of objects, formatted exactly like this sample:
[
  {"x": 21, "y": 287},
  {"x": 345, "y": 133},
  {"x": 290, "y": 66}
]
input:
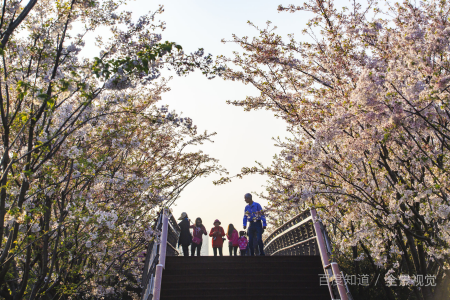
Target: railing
[
  {"x": 305, "y": 235},
  {"x": 295, "y": 237},
  {"x": 156, "y": 254}
]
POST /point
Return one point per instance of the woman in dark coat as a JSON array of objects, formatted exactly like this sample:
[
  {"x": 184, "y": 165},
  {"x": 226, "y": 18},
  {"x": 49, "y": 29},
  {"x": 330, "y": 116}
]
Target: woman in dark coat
[{"x": 185, "y": 238}]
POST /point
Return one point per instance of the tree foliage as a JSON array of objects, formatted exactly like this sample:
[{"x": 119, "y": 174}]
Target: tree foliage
[
  {"x": 86, "y": 155},
  {"x": 366, "y": 100}
]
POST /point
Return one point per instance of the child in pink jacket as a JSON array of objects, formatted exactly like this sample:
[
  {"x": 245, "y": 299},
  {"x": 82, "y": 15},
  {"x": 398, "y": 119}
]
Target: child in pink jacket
[{"x": 243, "y": 242}]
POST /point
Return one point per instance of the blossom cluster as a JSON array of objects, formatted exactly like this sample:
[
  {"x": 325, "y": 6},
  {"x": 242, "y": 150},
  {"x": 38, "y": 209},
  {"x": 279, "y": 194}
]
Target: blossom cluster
[
  {"x": 366, "y": 100},
  {"x": 87, "y": 156}
]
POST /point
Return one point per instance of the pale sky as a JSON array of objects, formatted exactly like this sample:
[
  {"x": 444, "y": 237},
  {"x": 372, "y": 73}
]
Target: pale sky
[{"x": 242, "y": 137}]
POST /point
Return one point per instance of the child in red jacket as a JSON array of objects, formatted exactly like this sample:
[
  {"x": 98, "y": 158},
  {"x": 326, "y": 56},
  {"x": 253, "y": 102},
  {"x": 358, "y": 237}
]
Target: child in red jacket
[{"x": 217, "y": 233}]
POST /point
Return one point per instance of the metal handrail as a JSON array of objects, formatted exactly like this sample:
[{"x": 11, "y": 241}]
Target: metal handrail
[
  {"x": 293, "y": 237},
  {"x": 267, "y": 243},
  {"x": 296, "y": 235},
  {"x": 157, "y": 252},
  {"x": 293, "y": 246},
  {"x": 162, "y": 256},
  {"x": 288, "y": 224},
  {"x": 325, "y": 250}
]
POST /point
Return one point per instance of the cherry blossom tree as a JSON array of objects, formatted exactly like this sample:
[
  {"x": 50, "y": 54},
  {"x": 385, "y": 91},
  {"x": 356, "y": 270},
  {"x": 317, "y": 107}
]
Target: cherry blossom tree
[
  {"x": 87, "y": 157},
  {"x": 366, "y": 100}
]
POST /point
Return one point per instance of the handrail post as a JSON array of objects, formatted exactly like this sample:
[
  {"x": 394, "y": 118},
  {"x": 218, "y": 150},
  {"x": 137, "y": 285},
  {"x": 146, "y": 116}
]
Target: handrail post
[
  {"x": 339, "y": 282},
  {"x": 162, "y": 256},
  {"x": 326, "y": 260},
  {"x": 164, "y": 233},
  {"x": 158, "y": 279},
  {"x": 322, "y": 248},
  {"x": 320, "y": 239}
]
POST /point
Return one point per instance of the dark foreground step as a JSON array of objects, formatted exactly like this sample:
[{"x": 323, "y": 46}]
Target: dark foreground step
[
  {"x": 234, "y": 284},
  {"x": 241, "y": 262},
  {"x": 265, "y": 297},
  {"x": 261, "y": 277},
  {"x": 253, "y": 293},
  {"x": 210, "y": 271},
  {"x": 260, "y": 265},
  {"x": 314, "y": 258}
]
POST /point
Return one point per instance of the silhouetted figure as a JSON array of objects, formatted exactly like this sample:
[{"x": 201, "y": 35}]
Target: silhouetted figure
[{"x": 185, "y": 238}]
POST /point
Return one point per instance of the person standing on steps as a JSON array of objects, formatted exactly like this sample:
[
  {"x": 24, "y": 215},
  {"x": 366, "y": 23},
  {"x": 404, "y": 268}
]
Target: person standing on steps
[
  {"x": 255, "y": 215},
  {"x": 185, "y": 238},
  {"x": 233, "y": 237},
  {"x": 255, "y": 245},
  {"x": 243, "y": 242},
  {"x": 217, "y": 235},
  {"x": 197, "y": 240}
]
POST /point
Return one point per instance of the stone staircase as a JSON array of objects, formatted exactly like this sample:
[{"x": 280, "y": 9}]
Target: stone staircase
[{"x": 243, "y": 277}]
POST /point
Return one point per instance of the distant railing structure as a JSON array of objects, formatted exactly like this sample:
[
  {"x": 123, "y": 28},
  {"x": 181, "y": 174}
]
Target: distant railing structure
[
  {"x": 305, "y": 234},
  {"x": 157, "y": 251},
  {"x": 295, "y": 237}
]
